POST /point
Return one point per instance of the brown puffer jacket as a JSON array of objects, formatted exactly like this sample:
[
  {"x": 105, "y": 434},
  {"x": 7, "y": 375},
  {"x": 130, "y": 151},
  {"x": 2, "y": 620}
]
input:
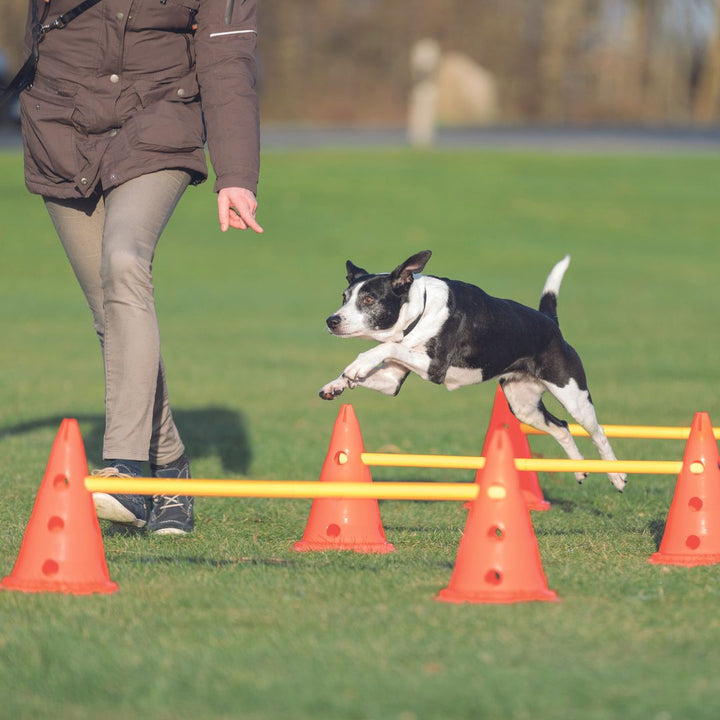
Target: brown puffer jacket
[{"x": 134, "y": 86}]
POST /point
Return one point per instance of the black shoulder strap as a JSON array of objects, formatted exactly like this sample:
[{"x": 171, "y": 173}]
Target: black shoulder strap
[
  {"x": 62, "y": 20},
  {"x": 26, "y": 75}
]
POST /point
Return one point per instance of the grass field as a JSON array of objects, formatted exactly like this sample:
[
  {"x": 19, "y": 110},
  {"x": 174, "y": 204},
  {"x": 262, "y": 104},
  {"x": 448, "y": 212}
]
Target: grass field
[{"x": 230, "y": 622}]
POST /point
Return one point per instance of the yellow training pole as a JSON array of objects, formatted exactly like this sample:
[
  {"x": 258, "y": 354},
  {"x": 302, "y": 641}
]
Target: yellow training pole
[
  {"x": 649, "y": 467},
  {"x": 450, "y": 462},
  {"x": 646, "y": 432},
  {"x": 380, "y": 491},
  {"x": 284, "y": 488}
]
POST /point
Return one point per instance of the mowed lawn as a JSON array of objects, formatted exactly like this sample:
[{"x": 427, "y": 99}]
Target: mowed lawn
[{"x": 231, "y": 622}]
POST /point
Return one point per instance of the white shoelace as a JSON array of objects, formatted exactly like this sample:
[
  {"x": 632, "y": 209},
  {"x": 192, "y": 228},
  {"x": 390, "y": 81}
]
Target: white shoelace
[
  {"x": 169, "y": 501},
  {"x": 110, "y": 472}
]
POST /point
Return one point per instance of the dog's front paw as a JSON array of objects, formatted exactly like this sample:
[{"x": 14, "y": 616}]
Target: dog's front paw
[
  {"x": 619, "y": 480},
  {"x": 364, "y": 365},
  {"x": 334, "y": 388}
]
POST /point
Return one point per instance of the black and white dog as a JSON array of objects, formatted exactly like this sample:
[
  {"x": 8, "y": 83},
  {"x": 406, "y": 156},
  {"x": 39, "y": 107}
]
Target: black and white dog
[{"x": 455, "y": 334}]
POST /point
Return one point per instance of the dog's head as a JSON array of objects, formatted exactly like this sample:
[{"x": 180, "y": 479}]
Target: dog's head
[{"x": 372, "y": 303}]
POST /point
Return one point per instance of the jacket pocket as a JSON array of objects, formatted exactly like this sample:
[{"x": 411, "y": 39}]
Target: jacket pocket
[
  {"x": 49, "y": 135},
  {"x": 192, "y": 5},
  {"x": 173, "y": 90},
  {"x": 169, "y": 127},
  {"x": 177, "y": 15}
]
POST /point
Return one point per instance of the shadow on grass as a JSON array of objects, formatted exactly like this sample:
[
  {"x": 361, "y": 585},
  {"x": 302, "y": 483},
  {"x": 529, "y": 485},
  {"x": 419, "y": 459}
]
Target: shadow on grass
[
  {"x": 330, "y": 560},
  {"x": 206, "y": 432},
  {"x": 570, "y": 506},
  {"x": 197, "y": 560},
  {"x": 657, "y": 529}
]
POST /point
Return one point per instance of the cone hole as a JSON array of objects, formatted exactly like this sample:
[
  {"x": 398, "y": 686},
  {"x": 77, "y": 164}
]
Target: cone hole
[
  {"x": 693, "y": 542},
  {"x": 61, "y": 482},
  {"x": 55, "y": 523},
  {"x": 496, "y": 492},
  {"x": 341, "y": 458},
  {"x": 493, "y": 577},
  {"x": 695, "y": 504},
  {"x": 496, "y": 532},
  {"x": 697, "y": 467},
  {"x": 333, "y": 530},
  {"x": 50, "y": 567}
]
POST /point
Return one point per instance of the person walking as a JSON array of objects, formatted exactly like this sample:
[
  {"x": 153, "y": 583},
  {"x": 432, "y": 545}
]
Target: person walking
[{"x": 124, "y": 97}]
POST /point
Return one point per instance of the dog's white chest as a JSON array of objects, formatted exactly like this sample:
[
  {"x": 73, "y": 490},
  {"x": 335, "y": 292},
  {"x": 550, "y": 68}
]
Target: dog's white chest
[{"x": 459, "y": 377}]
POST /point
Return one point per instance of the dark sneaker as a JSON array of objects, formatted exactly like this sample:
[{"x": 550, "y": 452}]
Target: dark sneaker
[
  {"x": 172, "y": 514},
  {"x": 121, "y": 509}
]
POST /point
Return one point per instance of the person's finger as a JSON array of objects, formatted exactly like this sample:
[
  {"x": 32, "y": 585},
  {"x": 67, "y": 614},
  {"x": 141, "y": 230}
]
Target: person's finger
[
  {"x": 236, "y": 219},
  {"x": 245, "y": 216},
  {"x": 223, "y": 212}
]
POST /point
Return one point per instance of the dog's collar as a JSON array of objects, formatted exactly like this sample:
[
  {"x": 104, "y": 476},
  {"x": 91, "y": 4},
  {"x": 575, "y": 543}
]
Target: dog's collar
[{"x": 414, "y": 323}]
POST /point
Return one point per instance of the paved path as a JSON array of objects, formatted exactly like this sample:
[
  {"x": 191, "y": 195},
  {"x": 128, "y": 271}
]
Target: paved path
[
  {"x": 547, "y": 139},
  {"x": 596, "y": 140}
]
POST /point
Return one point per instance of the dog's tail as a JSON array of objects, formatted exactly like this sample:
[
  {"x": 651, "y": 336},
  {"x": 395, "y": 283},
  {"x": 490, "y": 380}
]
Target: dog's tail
[{"x": 548, "y": 301}]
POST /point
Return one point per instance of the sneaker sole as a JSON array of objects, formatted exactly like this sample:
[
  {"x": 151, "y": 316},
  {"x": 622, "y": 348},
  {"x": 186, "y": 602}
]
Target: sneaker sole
[
  {"x": 170, "y": 531},
  {"x": 108, "y": 508}
]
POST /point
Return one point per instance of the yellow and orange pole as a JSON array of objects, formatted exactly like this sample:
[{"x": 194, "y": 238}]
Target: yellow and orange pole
[
  {"x": 458, "y": 462},
  {"x": 284, "y": 488},
  {"x": 378, "y": 490},
  {"x": 646, "y": 432}
]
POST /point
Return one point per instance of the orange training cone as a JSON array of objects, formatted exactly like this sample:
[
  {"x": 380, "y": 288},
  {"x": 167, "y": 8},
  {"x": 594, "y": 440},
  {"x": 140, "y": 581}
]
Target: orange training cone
[
  {"x": 502, "y": 416},
  {"x": 692, "y": 530},
  {"x": 498, "y": 560},
  {"x": 62, "y": 550},
  {"x": 345, "y": 524}
]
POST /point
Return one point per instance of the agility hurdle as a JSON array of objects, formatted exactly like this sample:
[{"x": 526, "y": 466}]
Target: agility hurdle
[
  {"x": 490, "y": 566},
  {"x": 406, "y": 490},
  {"x": 379, "y": 491}
]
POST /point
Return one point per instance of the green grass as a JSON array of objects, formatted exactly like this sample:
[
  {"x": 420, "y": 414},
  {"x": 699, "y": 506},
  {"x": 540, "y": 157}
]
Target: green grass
[{"x": 231, "y": 623}]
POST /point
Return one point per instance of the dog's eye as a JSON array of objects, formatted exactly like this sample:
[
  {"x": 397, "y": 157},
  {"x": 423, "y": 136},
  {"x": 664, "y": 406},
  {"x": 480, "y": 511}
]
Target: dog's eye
[{"x": 368, "y": 300}]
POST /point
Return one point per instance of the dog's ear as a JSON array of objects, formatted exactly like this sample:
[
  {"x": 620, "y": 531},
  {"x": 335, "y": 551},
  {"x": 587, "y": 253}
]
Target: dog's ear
[
  {"x": 402, "y": 276},
  {"x": 354, "y": 272}
]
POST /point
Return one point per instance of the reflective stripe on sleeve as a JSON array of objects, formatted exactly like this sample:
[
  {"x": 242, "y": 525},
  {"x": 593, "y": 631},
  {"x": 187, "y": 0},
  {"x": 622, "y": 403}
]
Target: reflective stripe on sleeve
[{"x": 232, "y": 32}]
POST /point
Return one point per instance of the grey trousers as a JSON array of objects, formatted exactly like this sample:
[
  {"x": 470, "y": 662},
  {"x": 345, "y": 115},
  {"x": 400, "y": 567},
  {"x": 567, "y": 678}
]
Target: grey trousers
[{"x": 110, "y": 241}]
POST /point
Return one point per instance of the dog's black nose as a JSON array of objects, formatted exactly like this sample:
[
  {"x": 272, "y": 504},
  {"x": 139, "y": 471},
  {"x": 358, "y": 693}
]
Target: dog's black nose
[{"x": 333, "y": 321}]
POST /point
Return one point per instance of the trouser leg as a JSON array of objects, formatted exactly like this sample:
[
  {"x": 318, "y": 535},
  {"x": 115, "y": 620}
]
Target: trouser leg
[
  {"x": 111, "y": 243},
  {"x": 139, "y": 420}
]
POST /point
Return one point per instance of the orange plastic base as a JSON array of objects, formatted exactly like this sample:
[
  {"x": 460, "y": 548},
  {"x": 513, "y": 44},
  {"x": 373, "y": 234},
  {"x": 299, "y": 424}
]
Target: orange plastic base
[
  {"x": 494, "y": 596},
  {"x": 61, "y": 586},
  {"x": 659, "y": 558}
]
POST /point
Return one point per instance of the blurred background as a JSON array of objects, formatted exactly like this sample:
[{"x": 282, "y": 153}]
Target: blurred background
[{"x": 417, "y": 64}]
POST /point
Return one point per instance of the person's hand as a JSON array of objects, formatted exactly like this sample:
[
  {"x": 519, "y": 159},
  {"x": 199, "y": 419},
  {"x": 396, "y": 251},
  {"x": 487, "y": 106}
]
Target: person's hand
[{"x": 236, "y": 208}]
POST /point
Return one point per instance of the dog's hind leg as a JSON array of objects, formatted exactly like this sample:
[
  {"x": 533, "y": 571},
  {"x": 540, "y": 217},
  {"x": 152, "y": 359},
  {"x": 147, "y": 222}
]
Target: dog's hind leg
[
  {"x": 524, "y": 396},
  {"x": 579, "y": 404}
]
